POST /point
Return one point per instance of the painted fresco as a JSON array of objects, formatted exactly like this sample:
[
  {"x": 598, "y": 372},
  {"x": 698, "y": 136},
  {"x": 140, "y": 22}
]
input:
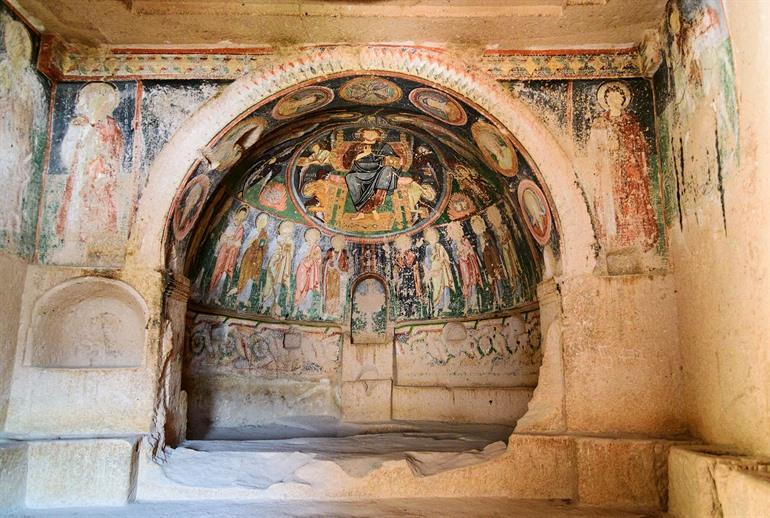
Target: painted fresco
[
  {"x": 608, "y": 126},
  {"x": 613, "y": 126},
  {"x": 439, "y": 105},
  {"x": 217, "y": 344},
  {"x": 550, "y": 100},
  {"x": 535, "y": 207},
  {"x": 302, "y": 101},
  {"x": 165, "y": 106},
  {"x": 382, "y": 177},
  {"x": 697, "y": 113},
  {"x": 90, "y": 185},
  {"x": 493, "y": 352},
  {"x": 259, "y": 264},
  {"x": 369, "y": 312},
  {"x": 24, "y": 108},
  {"x": 368, "y": 181}
]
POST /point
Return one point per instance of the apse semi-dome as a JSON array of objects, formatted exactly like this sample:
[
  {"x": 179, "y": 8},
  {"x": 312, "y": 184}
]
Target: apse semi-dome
[{"x": 364, "y": 177}]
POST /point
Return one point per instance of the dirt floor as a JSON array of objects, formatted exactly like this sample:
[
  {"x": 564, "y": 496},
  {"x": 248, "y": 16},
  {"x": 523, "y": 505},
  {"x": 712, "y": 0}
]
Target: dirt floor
[{"x": 420, "y": 507}]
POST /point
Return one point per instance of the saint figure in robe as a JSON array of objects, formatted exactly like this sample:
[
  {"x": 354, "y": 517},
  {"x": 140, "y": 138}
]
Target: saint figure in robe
[
  {"x": 21, "y": 126},
  {"x": 335, "y": 275},
  {"x": 308, "y": 275},
  {"x": 227, "y": 250},
  {"x": 278, "y": 271},
  {"x": 92, "y": 153},
  {"x": 623, "y": 198},
  {"x": 251, "y": 262}
]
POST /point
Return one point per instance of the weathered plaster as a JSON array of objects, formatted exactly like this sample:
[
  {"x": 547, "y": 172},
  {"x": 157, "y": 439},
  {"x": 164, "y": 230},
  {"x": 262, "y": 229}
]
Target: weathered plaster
[
  {"x": 12, "y": 271},
  {"x": 721, "y": 247}
]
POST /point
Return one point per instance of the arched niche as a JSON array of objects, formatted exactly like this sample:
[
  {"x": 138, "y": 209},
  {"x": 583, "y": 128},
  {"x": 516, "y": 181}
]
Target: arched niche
[
  {"x": 369, "y": 311},
  {"x": 171, "y": 180},
  {"x": 88, "y": 322},
  {"x": 169, "y": 173}
]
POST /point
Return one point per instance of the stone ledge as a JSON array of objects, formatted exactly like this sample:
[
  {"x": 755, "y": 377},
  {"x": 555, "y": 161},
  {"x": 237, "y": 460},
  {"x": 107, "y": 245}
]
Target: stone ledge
[
  {"x": 13, "y": 474},
  {"x": 708, "y": 481},
  {"x": 612, "y": 472},
  {"x": 622, "y": 472},
  {"x": 81, "y": 473},
  {"x": 460, "y": 404}
]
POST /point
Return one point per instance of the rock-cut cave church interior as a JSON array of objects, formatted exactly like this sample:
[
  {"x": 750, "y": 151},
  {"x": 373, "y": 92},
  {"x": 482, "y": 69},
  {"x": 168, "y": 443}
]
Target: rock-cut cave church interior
[{"x": 385, "y": 258}]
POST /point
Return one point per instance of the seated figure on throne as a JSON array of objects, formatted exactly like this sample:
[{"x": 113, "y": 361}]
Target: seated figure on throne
[{"x": 373, "y": 172}]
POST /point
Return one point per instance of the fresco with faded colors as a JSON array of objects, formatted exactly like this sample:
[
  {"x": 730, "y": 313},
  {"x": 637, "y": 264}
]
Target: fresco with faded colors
[
  {"x": 260, "y": 349},
  {"x": 423, "y": 194},
  {"x": 615, "y": 127},
  {"x": 165, "y": 106},
  {"x": 24, "y": 98},
  {"x": 90, "y": 184},
  {"x": 609, "y": 128},
  {"x": 494, "y": 352},
  {"x": 99, "y": 161},
  {"x": 697, "y": 111}
]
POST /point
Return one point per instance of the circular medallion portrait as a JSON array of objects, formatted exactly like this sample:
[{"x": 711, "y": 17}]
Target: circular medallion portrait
[
  {"x": 302, "y": 101},
  {"x": 368, "y": 182},
  {"x": 534, "y": 207},
  {"x": 189, "y": 205},
  {"x": 438, "y": 105},
  {"x": 370, "y": 90},
  {"x": 498, "y": 152}
]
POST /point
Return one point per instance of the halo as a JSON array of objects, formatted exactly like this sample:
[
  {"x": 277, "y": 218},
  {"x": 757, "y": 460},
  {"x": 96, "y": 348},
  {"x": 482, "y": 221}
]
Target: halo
[
  {"x": 286, "y": 227},
  {"x": 601, "y": 93},
  {"x": 261, "y": 217},
  {"x": 312, "y": 234},
  {"x": 101, "y": 90},
  {"x": 338, "y": 242}
]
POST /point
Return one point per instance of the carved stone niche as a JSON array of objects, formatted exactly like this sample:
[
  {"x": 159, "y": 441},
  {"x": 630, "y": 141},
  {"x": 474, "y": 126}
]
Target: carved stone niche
[{"x": 88, "y": 322}]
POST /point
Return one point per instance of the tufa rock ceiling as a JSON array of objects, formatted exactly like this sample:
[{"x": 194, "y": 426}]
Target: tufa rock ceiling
[{"x": 497, "y": 24}]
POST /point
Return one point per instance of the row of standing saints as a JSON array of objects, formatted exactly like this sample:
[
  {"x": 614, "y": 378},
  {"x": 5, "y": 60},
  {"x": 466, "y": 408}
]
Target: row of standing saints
[{"x": 464, "y": 268}]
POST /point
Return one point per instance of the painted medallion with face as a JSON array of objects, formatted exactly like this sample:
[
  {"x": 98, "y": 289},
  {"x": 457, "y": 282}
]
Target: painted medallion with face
[
  {"x": 535, "y": 209},
  {"x": 302, "y": 101},
  {"x": 439, "y": 105},
  {"x": 189, "y": 205},
  {"x": 497, "y": 150},
  {"x": 370, "y": 90}
]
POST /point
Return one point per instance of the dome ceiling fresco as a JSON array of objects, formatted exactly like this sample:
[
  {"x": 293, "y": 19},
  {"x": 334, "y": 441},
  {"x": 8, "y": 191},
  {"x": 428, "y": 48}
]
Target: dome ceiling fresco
[{"x": 365, "y": 176}]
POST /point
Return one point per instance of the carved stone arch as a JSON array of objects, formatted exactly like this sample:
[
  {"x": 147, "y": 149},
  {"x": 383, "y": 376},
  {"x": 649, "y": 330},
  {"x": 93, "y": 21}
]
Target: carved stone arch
[{"x": 169, "y": 171}]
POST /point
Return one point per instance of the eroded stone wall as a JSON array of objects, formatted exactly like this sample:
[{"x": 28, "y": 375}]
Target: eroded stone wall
[
  {"x": 711, "y": 99},
  {"x": 241, "y": 373},
  {"x": 24, "y": 97}
]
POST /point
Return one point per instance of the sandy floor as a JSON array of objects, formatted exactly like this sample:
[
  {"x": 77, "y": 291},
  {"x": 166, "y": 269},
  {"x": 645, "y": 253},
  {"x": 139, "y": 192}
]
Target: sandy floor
[
  {"x": 428, "y": 507},
  {"x": 259, "y": 457}
]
